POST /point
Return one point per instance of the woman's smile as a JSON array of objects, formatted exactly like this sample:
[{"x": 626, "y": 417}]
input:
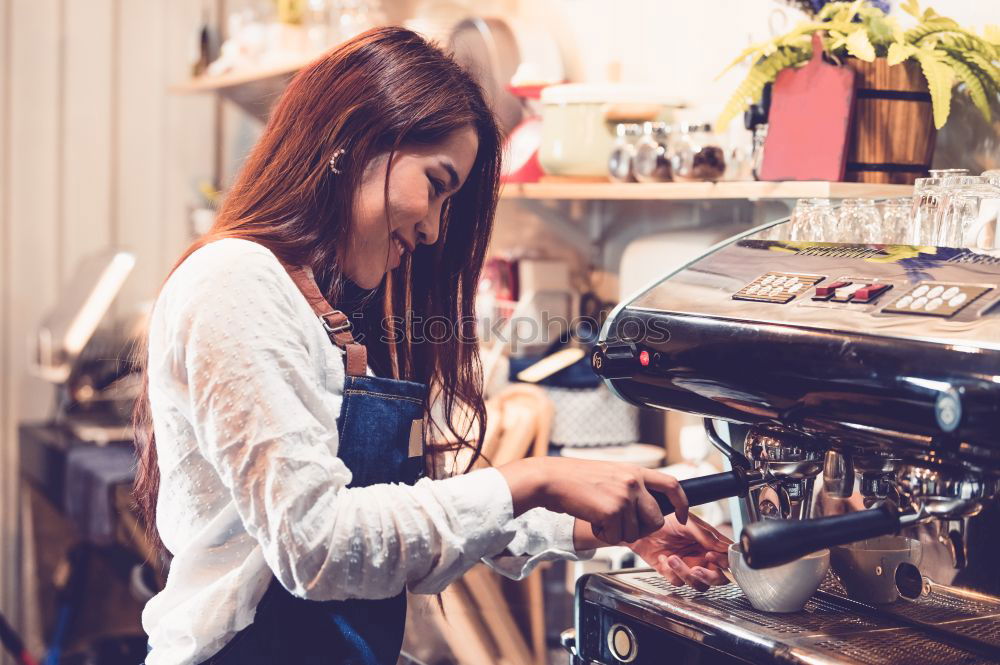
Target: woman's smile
[{"x": 401, "y": 248}]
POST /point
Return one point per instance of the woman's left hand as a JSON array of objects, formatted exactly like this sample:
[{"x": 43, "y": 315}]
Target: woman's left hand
[{"x": 692, "y": 553}]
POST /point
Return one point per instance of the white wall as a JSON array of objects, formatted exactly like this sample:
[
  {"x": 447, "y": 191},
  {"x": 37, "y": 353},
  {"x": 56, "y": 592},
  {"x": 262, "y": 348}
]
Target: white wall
[
  {"x": 680, "y": 46},
  {"x": 93, "y": 152}
]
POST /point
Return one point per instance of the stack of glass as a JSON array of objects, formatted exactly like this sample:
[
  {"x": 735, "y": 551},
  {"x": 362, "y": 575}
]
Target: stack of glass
[
  {"x": 962, "y": 211},
  {"x": 948, "y": 209}
]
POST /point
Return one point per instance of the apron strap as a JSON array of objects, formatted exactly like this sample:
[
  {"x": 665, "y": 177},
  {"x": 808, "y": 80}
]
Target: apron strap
[{"x": 335, "y": 322}]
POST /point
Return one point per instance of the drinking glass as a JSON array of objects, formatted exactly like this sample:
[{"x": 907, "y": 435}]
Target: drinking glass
[
  {"x": 924, "y": 211},
  {"x": 896, "y": 216},
  {"x": 859, "y": 221},
  {"x": 969, "y": 210},
  {"x": 813, "y": 220}
]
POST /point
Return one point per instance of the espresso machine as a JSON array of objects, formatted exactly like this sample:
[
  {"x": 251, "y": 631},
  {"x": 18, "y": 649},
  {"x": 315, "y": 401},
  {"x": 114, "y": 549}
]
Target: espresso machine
[{"x": 860, "y": 387}]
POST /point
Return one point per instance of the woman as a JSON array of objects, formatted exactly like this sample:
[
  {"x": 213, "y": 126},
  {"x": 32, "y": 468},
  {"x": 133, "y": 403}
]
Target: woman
[{"x": 280, "y": 477}]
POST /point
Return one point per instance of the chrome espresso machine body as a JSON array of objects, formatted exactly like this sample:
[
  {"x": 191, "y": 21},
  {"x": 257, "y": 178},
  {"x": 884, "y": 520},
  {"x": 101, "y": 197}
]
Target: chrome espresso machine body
[{"x": 859, "y": 375}]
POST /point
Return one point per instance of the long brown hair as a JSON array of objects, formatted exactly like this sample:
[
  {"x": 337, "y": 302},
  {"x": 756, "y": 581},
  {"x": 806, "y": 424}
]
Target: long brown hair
[{"x": 382, "y": 90}]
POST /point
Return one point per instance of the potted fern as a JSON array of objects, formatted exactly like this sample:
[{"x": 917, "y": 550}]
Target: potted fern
[{"x": 905, "y": 78}]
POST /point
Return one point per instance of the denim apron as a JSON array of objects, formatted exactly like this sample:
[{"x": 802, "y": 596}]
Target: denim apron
[{"x": 380, "y": 428}]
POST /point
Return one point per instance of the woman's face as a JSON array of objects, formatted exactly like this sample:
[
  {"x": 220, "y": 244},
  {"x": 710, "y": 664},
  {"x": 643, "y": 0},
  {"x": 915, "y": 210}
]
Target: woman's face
[{"x": 421, "y": 179}]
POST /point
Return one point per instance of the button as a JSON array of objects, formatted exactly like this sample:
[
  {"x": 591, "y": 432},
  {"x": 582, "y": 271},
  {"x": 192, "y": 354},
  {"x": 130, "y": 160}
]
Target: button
[
  {"x": 791, "y": 280},
  {"x": 795, "y": 288},
  {"x": 845, "y": 293},
  {"x": 778, "y": 281},
  {"x": 950, "y": 293},
  {"x": 869, "y": 292},
  {"x": 918, "y": 303},
  {"x": 957, "y": 300},
  {"x": 935, "y": 292},
  {"x": 904, "y": 302},
  {"x": 622, "y": 643},
  {"x": 750, "y": 290},
  {"x": 776, "y": 290},
  {"x": 644, "y": 358},
  {"x": 767, "y": 280},
  {"x": 827, "y": 290},
  {"x": 933, "y": 304},
  {"x": 920, "y": 290}
]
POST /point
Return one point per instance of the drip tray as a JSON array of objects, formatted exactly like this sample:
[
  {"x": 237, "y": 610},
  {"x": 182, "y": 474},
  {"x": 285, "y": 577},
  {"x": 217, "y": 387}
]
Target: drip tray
[{"x": 937, "y": 629}]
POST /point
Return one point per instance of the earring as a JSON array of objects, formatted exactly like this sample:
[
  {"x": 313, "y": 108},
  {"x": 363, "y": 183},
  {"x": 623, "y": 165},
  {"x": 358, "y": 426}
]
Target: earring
[{"x": 338, "y": 153}]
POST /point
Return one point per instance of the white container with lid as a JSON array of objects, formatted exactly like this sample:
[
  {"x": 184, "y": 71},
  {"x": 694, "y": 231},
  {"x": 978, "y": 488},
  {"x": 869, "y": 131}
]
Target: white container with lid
[{"x": 578, "y": 121}]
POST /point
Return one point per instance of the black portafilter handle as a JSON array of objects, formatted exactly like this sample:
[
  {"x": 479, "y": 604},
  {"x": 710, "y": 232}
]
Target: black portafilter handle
[
  {"x": 707, "y": 489},
  {"x": 773, "y": 542}
]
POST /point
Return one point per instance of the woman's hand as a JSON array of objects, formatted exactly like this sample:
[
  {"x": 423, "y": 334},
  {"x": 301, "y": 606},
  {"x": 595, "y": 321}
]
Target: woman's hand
[
  {"x": 691, "y": 553},
  {"x": 613, "y": 498}
]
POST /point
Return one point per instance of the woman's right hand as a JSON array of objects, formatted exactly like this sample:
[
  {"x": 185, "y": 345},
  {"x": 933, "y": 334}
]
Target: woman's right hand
[{"x": 614, "y": 498}]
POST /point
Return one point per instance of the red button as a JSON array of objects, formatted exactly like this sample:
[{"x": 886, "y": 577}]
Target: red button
[
  {"x": 869, "y": 292},
  {"x": 644, "y": 358},
  {"x": 827, "y": 290}
]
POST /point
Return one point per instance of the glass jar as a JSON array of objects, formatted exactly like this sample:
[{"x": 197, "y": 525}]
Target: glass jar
[
  {"x": 622, "y": 158},
  {"x": 698, "y": 155},
  {"x": 739, "y": 153},
  {"x": 652, "y": 153}
]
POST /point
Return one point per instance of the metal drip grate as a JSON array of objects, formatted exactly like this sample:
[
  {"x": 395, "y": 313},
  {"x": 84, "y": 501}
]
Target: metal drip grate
[
  {"x": 818, "y": 614},
  {"x": 938, "y": 629},
  {"x": 971, "y": 257},
  {"x": 961, "y": 616},
  {"x": 886, "y": 648},
  {"x": 841, "y": 251}
]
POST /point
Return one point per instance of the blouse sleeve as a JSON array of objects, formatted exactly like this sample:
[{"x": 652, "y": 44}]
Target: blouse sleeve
[
  {"x": 540, "y": 535},
  {"x": 262, "y": 418}
]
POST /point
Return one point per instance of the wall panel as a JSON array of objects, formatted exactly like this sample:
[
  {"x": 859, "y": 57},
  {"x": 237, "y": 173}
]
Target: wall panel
[
  {"x": 86, "y": 159},
  {"x": 8, "y": 491},
  {"x": 188, "y": 131},
  {"x": 34, "y": 49},
  {"x": 141, "y": 149},
  {"x": 94, "y": 153}
]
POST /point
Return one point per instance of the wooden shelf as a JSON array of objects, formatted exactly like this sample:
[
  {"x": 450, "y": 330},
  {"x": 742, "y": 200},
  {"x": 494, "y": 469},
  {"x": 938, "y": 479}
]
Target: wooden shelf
[
  {"x": 687, "y": 191},
  {"x": 237, "y": 78},
  {"x": 254, "y": 90}
]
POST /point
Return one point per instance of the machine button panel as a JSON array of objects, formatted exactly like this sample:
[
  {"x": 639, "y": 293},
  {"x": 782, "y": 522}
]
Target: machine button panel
[
  {"x": 846, "y": 293},
  {"x": 826, "y": 291},
  {"x": 860, "y": 290},
  {"x": 870, "y": 292},
  {"x": 776, "y": 287},
  {"x": 934, "y": 299}
]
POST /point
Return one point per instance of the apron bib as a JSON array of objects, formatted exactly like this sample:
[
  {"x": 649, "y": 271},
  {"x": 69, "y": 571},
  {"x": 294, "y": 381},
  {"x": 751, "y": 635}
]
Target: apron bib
[{"x": 381, "y": 441}]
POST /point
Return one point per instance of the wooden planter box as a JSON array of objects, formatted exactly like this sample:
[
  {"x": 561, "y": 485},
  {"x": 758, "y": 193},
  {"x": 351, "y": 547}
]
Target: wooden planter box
[{"x": 892, "y": 139}]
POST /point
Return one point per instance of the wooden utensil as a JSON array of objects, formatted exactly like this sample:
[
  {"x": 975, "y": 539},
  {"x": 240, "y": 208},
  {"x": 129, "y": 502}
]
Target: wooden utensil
[{"x": 809, "y": 121}]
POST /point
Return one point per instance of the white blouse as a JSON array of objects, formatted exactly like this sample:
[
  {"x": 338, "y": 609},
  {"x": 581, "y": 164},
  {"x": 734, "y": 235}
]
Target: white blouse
[{"x": 245, "y": 389}]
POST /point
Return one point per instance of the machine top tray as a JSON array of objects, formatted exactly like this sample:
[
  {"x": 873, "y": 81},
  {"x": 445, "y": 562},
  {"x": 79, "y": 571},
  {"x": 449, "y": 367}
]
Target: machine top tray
[
  {"x": 934, "y": 294},
  {"x": 830, "y": 629},
  {"x": 881, "y": 344}
]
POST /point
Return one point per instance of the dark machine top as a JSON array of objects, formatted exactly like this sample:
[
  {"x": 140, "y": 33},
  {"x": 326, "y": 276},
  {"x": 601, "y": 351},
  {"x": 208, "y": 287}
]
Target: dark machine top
[{"x": 881, "y": 343}]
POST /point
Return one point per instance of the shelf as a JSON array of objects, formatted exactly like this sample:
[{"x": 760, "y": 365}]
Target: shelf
[
  {"x": 253, "y": 90},
  {"x": 687, "y": 191},
  {"x": 237, "y": 78}
]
